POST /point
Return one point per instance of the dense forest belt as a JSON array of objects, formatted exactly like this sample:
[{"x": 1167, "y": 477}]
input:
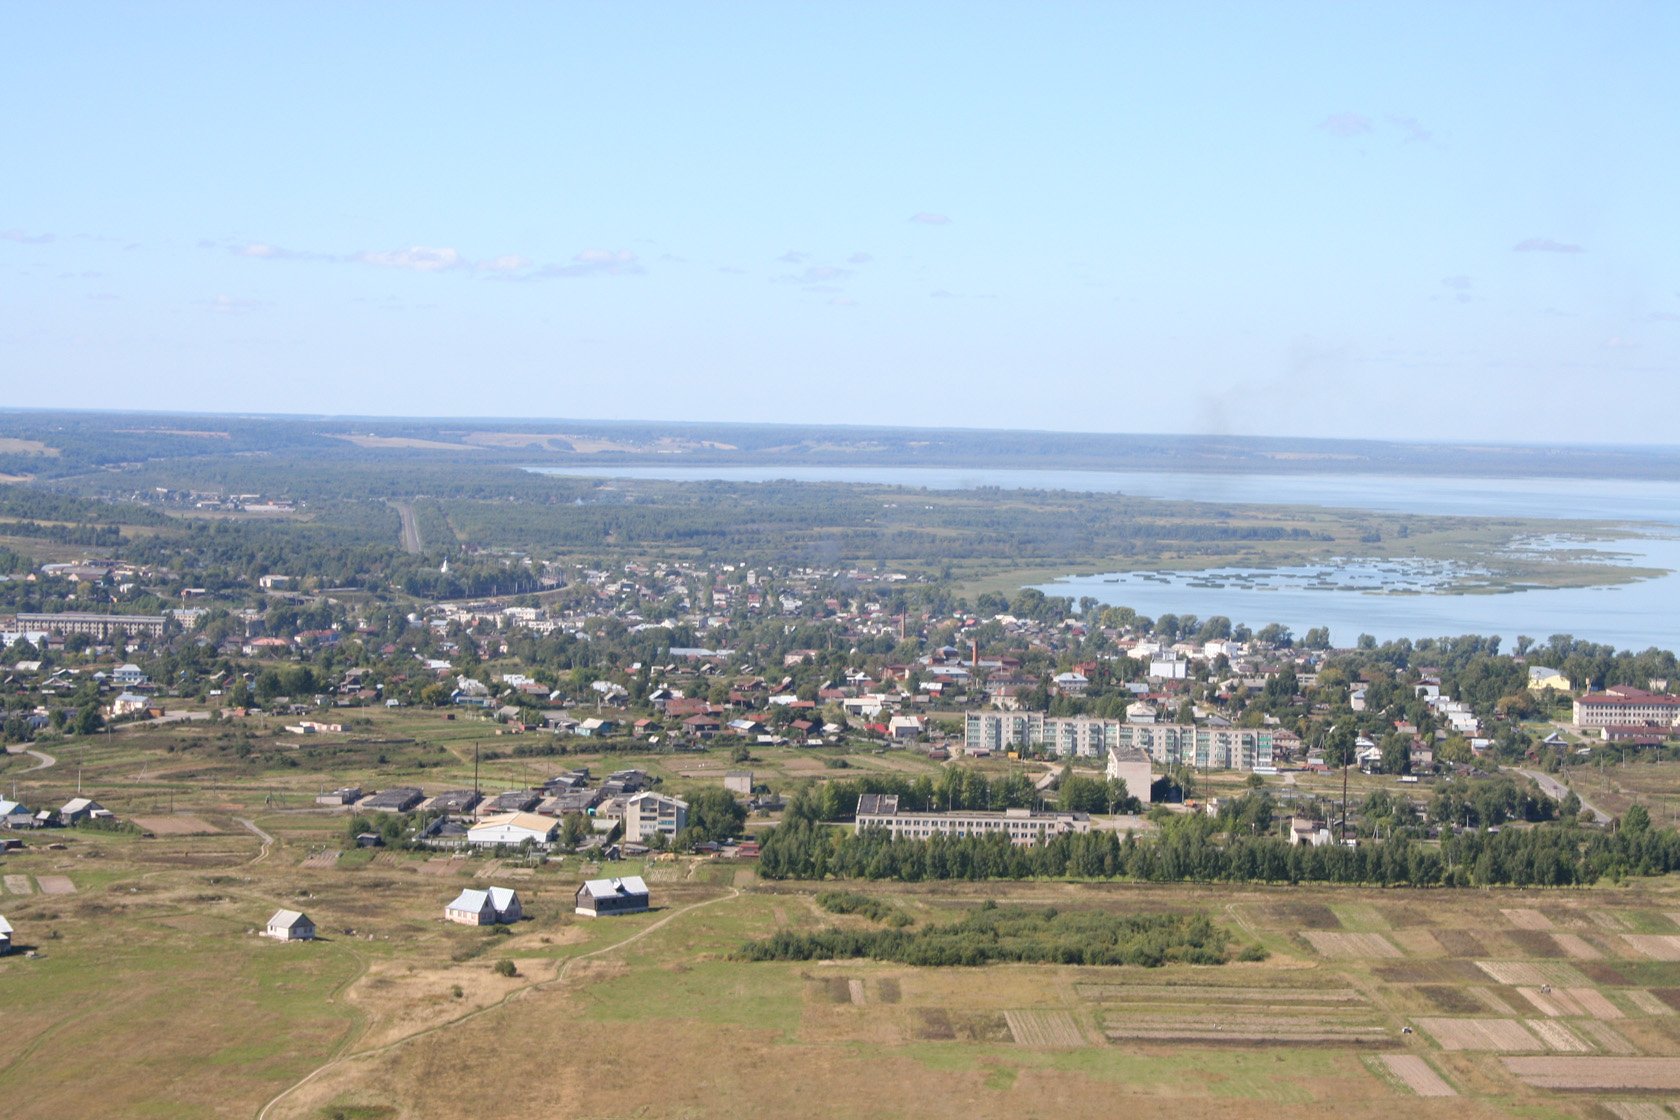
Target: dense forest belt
[
  {"x": 59, "y": 444},
  {"x": 983, "y": 539}
]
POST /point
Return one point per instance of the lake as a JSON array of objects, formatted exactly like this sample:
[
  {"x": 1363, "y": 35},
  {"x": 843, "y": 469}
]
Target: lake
[{"x": 1351, "y": 598}]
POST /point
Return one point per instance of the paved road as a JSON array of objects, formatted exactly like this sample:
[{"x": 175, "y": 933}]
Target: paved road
[
  {"x": 1551, "y": 787},
  {"x": 410, "y": 527}
]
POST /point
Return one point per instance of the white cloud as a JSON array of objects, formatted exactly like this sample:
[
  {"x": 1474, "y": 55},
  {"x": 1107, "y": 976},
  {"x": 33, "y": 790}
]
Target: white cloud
[
  {"x": 924, "y": 218},
  {"x": 1346, "y": 124},
  {"x": 512, "y": 262},
  {"x": 415, "y": 258},
  {"x": 23, "y": 238}
]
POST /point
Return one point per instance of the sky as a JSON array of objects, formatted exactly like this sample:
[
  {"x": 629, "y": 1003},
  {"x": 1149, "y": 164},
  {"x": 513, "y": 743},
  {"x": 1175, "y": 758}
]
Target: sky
[{"x": 1390, "y": 220}]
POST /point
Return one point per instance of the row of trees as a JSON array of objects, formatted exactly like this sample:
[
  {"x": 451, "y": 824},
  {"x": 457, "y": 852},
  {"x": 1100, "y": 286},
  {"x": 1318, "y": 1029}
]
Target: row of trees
[{"x": 1546, "y": 856}]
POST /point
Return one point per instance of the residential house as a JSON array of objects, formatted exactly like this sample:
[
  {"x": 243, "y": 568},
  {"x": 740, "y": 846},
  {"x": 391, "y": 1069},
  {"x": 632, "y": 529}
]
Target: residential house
[
  {"x": 79, "y": 809},
  {"x": 493, "y": 906},
  {"x": 290, "y": 925},
  {"x": 599, "y": 898}
]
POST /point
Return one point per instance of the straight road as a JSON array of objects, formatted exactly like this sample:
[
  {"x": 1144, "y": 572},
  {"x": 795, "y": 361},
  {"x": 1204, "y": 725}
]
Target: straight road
[
  {"x": 1551, "y": 787},
  {"x": 410, "y": 526}
]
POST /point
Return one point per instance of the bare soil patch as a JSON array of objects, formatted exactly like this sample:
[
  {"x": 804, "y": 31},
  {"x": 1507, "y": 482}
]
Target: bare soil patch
[
  {"x": 1657, "y": 946},
  {"x": 1559, "y": 1037},
  {"x": 321, "y": 859},
  {"x": 855, "y": 993},
  {"x": 1417, "y": 1075},
  {"x": 1527, "y": 919},
  {"x": 1493, "y": 1001},
  {"x": 1555, "y": 1002},
  {"x": 1604, "y": 975},
  {"x": 1351, "y": 946},
  {"x": 1597, "y": 1074},
  {"x": 887, "y": 990},
  {"x": 18, "y": 884},
  {"x": 1524, "y": 974},
  {"x": 1608, "y": 1038},
  {"x": 1594, "y": 1003},
  {"x": 1648, "y": 1002},
  {"x": 1637, "y": 1110},
  {"x": 1303, "y": 915},
  {"x": 936, "y": 1023},
  {"x": 55, "y": 884},
  {"x": 1452, "y": 1001},
  {"x": 1417, "y": 942},
  {"x": 1044, "y": 1029},
  {"x": 1460, "y": 943},
  {"x": 1578, "y": 947},
  {"x": 1609, "y": 920},
  {"x": 1534, "y": 943},
  {"x": 1505, "y": 1035},
  {"x": 178, "y": 824},
  {"x": 442, "y": 868}
]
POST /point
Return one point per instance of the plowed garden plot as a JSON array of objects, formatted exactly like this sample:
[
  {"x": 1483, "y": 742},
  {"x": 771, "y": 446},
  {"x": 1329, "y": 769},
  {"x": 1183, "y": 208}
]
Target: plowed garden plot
[
  {"x": 1577, "y": 946},
  {"x": 55, "y": 884},
  {"x": 1493, "y": 1001},
  {"x": 441, "y": 868},
  {"x": 1527, "y": 919},
  {"x": 1556, "y": 1003},
  {"x": 939, "y": 1025},
  {"x": 1241, "y": 1030},
  {"x": 1638, "y": 1110},
  {"x": 1302, "y": 915},
  {"x": 1594, "y": 1003},
  {"x": 1597, "y": 1074},
  {"x": 1647, "y": 1002},
  {"x": 1415, "y": 1074},
  {"x": 180, "y": 824},
  {"x": 1452, "y": 1001},
  {"x": 1534, "y": 943},
  {"x": 1521, "y": 973},
  {"x": 1506, "y": 1035},
  {"x": 854, "y": 991},
  {"x": 1609, "y": 920},
  {"x": 1460, "y": 943},
  {"x": 1559, "y": 1037},
  {"x": 1158, "y": 995},
  {"x": 320, "y": 859},
  {"x": 1604, "y": 975},
  {"x": 1351, "y": 946},
  {"x": 1657, "y": 946},
  {"x": 1046, "y": 1029},
  {"x": 1607, "y": 1038},
  {"x": 17, "y": 884}
]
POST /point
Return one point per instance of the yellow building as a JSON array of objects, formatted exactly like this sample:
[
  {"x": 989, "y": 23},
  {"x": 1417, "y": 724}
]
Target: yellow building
[{"x": 1541, "y": 678}]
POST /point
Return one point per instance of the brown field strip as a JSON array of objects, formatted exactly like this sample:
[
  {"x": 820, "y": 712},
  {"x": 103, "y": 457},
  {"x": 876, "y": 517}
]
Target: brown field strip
[
  {"x": 1533, "y": 974},
  {"x": 1647, "y": 1002},
  {"x": 1257, "y": 1036},
  {"x": 320, "y": 859},
  {"x": 1156, "y": 994},
  {"x": 1595, "y": 1003},
  {"x": 1044, "y": 1029},
  {"x": 1606, "y": 920},
  {"x": 1597, "y": 1074},
  {"x": 1555, "y": 1003},
  {"x": 1493, "y": 1000},
  {"x": 55, "y": 884},
  {"x": 1351, "y": 946},
  {"x": 18, "y": 884},
  {"x": 1638, "y": 1110},
  {"x": 1577, "y": 946},
  {"x": 441, "y": 867},
  {"x": 1608, "y": 1038},
  {"x": 1417, "y": 1075},
  {"x": 1459, "y": 943},
  {"x": 1559, "y": 1037},
  {"x": 1507, "y": 1035},
  {"x": 179, "y": 824},
  {"x": 854, "y": 991},
  {"x": 1527, "y": 919},
  {"x": 1657, "y": 946}
]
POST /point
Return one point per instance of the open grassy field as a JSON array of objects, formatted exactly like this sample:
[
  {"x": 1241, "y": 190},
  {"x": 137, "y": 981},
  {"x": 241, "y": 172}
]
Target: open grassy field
[{"x": 149, "y": 993}]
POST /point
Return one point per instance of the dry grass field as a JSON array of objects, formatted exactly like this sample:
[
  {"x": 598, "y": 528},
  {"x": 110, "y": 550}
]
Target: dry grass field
[{"x": 146, "y": 991}]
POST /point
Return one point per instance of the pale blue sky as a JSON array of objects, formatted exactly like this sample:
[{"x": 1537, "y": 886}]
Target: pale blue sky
[{"x": 1400, "y": 220}]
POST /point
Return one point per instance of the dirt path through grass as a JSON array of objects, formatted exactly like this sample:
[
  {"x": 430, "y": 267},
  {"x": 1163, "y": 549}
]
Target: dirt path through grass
[{"x": 564, "y": 971}]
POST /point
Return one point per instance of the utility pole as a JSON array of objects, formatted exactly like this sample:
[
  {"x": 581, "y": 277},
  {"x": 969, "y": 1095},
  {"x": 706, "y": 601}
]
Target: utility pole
[
  {"x": 475, "y": 768},
  {"x": 1344, "y": 801}
]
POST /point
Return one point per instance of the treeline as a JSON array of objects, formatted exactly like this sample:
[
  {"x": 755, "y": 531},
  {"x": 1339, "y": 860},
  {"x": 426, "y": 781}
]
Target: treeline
[
  {"x": 993, "y": 934},
  {"x": 1533, "y": 857},
  {"x": 96, "y": 536}
]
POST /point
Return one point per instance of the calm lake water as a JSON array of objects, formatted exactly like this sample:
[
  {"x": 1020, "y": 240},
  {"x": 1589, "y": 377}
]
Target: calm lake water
[{"x": 1388, "y": 600}]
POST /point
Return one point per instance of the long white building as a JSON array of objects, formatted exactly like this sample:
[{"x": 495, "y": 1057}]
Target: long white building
[
  {"x": 1167, "y": 744},
  {"x": 1022, "y": 826}
]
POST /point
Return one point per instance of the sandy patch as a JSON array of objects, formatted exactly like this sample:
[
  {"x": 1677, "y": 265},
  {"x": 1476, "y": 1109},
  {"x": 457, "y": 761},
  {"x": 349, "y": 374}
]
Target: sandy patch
[
  {"x": 1597, "y": 1073},
  {"x": 178, "y": 824},
  {"x": 55, "y": 884},
  {"x": 1417, "y": 1075}
]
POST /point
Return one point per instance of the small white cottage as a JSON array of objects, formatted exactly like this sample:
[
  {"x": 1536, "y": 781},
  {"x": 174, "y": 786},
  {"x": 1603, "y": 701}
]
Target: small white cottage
[
  {"x": 485, "y": 908},
  {"x": 290, "y": 925}
]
